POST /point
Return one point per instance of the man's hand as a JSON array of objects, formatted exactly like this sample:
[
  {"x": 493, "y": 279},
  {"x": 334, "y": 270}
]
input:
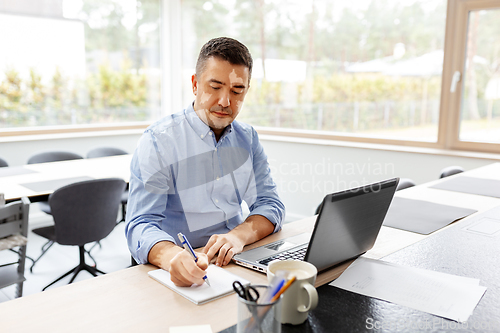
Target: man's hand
[
  {"x": 184, "y": 271},
  {"x": 226, "y": 245}
]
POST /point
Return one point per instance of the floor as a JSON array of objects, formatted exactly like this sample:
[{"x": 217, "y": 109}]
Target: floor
[{"x": 113, "y": 255}]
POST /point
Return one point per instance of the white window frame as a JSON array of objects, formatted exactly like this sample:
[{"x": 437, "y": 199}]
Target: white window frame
[{"x": 454, "y": 60}]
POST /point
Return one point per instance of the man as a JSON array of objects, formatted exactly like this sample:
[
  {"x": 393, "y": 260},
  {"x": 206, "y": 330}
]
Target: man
[{"x": 192, "y": 170}]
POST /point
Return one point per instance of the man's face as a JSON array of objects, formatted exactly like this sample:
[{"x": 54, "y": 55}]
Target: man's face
[{"x": 220, "y": 91}]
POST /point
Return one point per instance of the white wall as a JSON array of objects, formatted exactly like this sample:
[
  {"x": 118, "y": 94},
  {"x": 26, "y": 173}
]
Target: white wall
[
  {"x": 17, "y": 152},
  {"x": 304, "y": 171}
]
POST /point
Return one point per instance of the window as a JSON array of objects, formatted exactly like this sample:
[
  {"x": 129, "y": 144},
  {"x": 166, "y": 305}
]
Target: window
[
  {"x": 370, "y": 71},
  {"x": 415, "y": 72},
  {"x": 78, "y": 62},
  {"x": 366, "y": 68},
  {"x": 480, "y": 100}
]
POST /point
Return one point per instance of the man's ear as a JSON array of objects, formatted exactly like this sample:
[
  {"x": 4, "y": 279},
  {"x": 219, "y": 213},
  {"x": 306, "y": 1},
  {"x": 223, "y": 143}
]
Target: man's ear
[{"x": 194, "y": 83}]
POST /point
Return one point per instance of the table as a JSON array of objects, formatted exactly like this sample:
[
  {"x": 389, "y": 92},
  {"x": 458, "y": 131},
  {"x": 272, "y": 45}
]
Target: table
[
  {"x": 14, "y": 180},
  {"x": 130, "y": 301}
]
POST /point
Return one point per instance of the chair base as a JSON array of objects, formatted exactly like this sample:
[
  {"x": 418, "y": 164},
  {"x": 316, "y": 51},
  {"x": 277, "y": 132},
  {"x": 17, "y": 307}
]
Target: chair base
[
  {"x": 82, "y": 266},
  {"x": 45, "y": 248}
]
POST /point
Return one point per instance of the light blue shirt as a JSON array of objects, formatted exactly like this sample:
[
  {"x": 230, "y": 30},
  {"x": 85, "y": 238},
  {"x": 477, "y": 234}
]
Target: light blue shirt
[{"x": 183, "y": 180}]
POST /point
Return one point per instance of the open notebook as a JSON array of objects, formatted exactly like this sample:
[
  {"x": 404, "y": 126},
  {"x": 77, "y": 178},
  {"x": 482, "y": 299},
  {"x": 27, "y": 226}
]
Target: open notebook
[{"x": 221, "y": 282}]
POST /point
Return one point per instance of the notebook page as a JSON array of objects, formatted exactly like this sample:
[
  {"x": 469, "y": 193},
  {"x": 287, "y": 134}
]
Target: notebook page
[{"x": 221, "y": 282}]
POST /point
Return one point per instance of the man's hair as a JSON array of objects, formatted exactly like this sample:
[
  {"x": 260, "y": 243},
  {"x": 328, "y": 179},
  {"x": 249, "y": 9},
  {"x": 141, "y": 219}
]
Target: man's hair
[{"x": 224, "y": 48}]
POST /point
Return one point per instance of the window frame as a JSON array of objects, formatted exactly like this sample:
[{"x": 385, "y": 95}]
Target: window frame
[{"x": 457, "y": 18}]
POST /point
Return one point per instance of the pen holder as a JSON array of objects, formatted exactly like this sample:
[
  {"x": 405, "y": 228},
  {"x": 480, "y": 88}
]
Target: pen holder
[{"x": 259, "y": 318}]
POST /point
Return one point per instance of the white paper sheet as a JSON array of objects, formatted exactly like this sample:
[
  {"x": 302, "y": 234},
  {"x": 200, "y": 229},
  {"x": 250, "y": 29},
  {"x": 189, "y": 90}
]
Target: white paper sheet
[
  {"x": 449, "y": 296},
  {"x": 221, "y": 284}
]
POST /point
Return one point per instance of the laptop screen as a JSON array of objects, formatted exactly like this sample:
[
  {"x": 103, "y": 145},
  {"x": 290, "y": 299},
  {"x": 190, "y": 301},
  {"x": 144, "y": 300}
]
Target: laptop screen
[{"x": 348, "y": 223}]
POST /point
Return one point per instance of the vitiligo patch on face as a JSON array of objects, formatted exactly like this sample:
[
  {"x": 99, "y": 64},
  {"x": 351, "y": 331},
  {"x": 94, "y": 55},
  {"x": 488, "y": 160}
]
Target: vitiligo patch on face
[
  {"x": 205, "y": 97},
  {"x": 235, "y": 79}
]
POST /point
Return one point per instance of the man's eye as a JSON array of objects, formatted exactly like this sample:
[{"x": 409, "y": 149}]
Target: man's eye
[
  {"x": 215, "y": 88},
  {"x": 237, "y": 92}
]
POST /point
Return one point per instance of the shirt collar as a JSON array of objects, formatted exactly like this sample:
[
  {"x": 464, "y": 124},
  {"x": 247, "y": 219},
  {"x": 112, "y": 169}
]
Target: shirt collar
[
  {"x": 196, "y": 123},
  {"x": 199, "y": 126}
]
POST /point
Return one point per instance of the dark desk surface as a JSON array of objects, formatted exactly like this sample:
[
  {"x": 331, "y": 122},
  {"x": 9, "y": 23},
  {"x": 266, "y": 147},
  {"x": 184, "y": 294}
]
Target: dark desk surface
[{"x": 454, "y": 251}]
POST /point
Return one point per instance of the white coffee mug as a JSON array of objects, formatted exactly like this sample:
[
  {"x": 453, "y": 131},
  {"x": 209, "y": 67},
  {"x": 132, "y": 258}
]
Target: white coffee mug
[{"x": 301, "y": 296}]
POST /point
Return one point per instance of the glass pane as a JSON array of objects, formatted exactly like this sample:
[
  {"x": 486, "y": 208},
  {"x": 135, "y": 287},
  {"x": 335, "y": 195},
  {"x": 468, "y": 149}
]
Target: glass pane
[
  {"x": 71, "y": 62},
  {"x": 480, "y": 106},
  {"x": 370, "y": 68}
]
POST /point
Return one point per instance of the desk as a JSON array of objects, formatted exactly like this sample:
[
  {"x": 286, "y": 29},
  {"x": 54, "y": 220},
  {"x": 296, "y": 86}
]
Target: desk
[
  {"x": 12, "y": 178},
  {"x": 130, "y": 301}
]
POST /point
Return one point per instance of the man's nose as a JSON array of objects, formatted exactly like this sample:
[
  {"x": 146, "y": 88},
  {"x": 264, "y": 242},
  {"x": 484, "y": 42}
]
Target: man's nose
[{"x": 224, "y": 99}]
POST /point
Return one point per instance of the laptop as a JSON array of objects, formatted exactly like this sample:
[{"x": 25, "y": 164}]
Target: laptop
[{"x": 347, "y": 226}]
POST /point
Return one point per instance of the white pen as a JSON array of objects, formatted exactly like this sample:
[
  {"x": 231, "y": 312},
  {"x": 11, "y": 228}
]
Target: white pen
[{"x": 189, "y": 248}]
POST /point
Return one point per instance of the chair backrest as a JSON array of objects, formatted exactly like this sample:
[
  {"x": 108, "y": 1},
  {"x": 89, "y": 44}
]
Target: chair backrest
[
  {"x": 86, "y": 211},
  {"x": 14, "y": 218},
  {"x": 405, "y": 183},
  {"x": 53, "y": 156},
  {"x": 450, "y": 171},
  {"x": 3, "y": 163},
  {"x": 105, "y": 151}
]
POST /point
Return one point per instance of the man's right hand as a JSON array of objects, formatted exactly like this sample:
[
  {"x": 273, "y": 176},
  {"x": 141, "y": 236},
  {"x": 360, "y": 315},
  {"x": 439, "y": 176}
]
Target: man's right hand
[{"x": 184, "y": 271}]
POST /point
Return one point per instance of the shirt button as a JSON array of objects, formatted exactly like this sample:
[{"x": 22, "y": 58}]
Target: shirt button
[
  {"x": 216, "y": 201},
  {"x": 209, "y": 133},
  {"x": 201, "y": 136},
  {"x": 215, "y": 149},
  {"x": 217, "y": 178}
]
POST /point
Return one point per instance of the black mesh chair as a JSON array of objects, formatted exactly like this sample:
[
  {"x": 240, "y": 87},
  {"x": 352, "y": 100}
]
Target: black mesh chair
[
  {"x": 84, "y": 212},
  {"x": 112, "y": 151},
  {"x": 45, "y": 157},
  {"x": 3, "y": 163},
  {"x": 105, "y": 151},
  {"x": 450, "y": 171},
  {"x": 53, "y": 156}
]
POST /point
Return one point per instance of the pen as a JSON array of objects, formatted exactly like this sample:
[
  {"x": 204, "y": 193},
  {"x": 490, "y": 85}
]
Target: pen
[
  {"x": 283, "y": 289},
  {"x": 262, "y": 311},
  {"x": 189, "y": 248}
]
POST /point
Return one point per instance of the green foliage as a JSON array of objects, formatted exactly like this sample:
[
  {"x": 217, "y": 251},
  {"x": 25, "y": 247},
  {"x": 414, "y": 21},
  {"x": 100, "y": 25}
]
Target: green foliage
[
  {"x": 113, "y": 95},
  {"x": 344, "y": 102},
  {"x": 10, "y": 89}
]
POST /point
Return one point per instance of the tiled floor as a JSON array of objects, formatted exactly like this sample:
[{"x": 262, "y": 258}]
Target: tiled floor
[{"x": 112, "y": 256}]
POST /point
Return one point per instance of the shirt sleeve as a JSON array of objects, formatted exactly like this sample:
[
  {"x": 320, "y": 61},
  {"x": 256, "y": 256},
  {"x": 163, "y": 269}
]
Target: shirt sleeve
[
  {"x": 148, "y": 193},
  {"x": 265, "y": 201}
]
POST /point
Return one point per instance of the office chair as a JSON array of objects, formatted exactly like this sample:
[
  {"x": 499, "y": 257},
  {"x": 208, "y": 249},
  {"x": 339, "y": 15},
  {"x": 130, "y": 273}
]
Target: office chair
[
  {"x": 53, "y": 156},
  {"x": 44, "y": 157},
  {"x": 451, "y": 170},
  {"x": 3, "y": 163},
  {"x": 105, "y": 151},
  {"x": 112, "y": 151},
  {"x": 13, "y": 234},
  {"x": 404, "y": 183},
  {"x": 84, "y": 212}
]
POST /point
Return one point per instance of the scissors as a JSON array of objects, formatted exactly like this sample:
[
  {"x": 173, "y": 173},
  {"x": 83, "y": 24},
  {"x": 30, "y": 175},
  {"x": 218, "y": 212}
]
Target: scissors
[{"x": 248, "y": 293}]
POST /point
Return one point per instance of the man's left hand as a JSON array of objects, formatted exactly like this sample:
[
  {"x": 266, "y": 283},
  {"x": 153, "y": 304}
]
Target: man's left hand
[{"x": 226, "y": 245}]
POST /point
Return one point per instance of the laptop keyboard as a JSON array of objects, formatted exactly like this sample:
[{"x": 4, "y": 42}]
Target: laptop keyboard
[{"x": 297, "y": 254}]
